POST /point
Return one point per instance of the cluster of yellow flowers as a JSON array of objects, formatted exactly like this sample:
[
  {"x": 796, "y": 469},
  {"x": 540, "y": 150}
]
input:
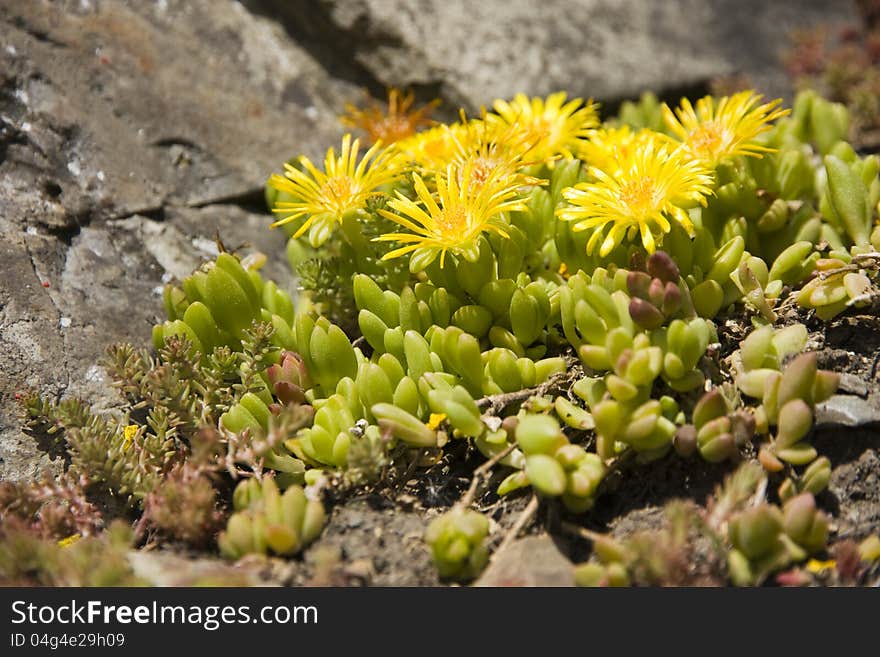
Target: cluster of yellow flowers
[{"x": 450, "y": 183}]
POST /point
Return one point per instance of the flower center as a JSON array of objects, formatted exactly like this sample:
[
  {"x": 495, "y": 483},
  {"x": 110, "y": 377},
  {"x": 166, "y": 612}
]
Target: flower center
[
  {"x": 393, "y": 128},
  {"x": 452, "y": 221},
  {"x": 482, "y": 169},
  {"x": 638, "y": 195},
  {"x": 338, "y": 188},
  {"x": 708, "y": 138}
]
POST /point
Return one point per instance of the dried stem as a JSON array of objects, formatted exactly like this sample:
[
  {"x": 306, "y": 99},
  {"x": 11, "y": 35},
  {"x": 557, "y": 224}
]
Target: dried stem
[
  {"x": 583, "y": 532},
  {"x": 480, "y": 473},
  {"x": 494, "y": 404},
  {"x": 859, "y": 261},
  {"x": 521, "y": 522}
]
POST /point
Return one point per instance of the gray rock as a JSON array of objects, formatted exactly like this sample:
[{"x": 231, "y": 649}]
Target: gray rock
[
  {"x": 167, "y": 568},
  {"x": 473, "y": 52},
  {"x": 134, "y": 105},
  {"x": 131, "y": 133},
  {"x": 529, "y": 561},
  {"x": 848, "y": 411},
  {"x": 851, "y": 384}
]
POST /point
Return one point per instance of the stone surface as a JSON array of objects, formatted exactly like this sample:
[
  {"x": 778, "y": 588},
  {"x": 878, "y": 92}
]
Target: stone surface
[
  {"x": 134, "y": 105},
  {"x": 473, "y": 52},
  {"x": 131, "y": 134},
  {"x": 166, "y": 568},
  {"x": 849, "y": 411},
  {"x": 529, "y": 561}
]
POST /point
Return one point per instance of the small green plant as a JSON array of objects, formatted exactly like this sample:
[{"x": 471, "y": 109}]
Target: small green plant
[
  {"x": 532, "y": 286},
  {"x": 265, "y": 520}
]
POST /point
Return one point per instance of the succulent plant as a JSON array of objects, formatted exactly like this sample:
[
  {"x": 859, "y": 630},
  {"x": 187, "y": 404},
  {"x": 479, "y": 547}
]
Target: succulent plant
[
  {"x": 457, "y": 540},
  {"x": 265, "y": 520},
  {"x": 550, "y": 302}
]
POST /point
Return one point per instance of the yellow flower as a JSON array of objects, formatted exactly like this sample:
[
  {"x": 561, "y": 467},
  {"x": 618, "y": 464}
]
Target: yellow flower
[
  {"x": 431, "y": 150},
  {"x": 388, "y": 125},
  {"x": 435, "y": 420},
  {"x": 655, "y": 184},
  {"x": 492, "y": 152},
  {"x": 714, "y": 133},
  {"x": 551, "y": 127},
  {"x": 609, "y": 149},
  {"x": 461, "y": 213},
  {"x": 128, "y": 434},
  {"x": 344, "y": 186},
  {"x": 815, "y": 566}
]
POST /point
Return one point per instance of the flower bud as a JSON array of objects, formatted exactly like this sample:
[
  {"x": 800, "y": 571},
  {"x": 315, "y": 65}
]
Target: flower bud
[
  {"x": 645, "y": 314},
  {"x": 661, "y": 265},
  {"x": 656, "y": 292},
  {"x": 637, "y": 283},
  {"x": 685, "y": 440},
  {"x": 775, "y": 216},
  {"x": 289, "y": 378}
]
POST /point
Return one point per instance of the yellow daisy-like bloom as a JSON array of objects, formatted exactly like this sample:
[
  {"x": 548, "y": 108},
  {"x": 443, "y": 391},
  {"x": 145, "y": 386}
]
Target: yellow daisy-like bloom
[
  {"x": 653, "y": 186},
  {"x": 712, "y": 133},
  {"x": 390, "y": 124},
  {"x": 490, "y": 153},
  {"x": 431, "y": 150},
  {"x": 343, "y": 186},
  {"x": 551, "y": 127},
  {"x": 609, "y": 149},
  {"x": 454, "y": 221}
]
